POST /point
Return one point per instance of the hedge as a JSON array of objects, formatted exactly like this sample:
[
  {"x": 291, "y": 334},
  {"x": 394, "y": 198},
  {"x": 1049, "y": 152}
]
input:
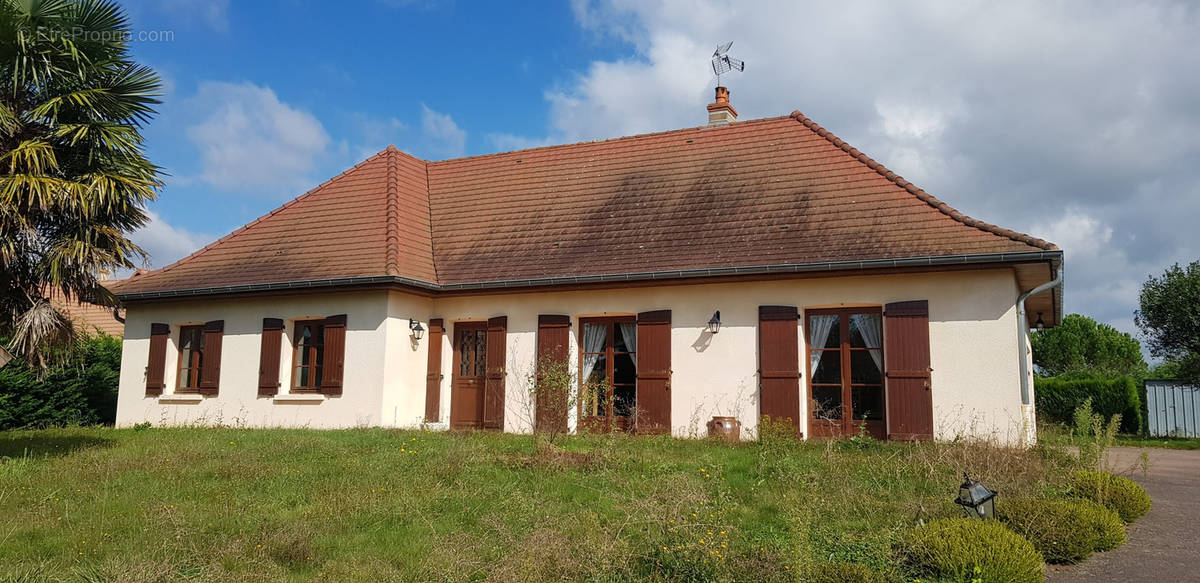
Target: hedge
[
  {"x": 1056, "y": 400},
  {"x": 80, "y": 391}
]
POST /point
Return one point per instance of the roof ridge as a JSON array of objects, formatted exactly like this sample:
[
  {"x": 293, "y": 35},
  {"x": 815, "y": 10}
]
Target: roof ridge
[
  {"x": 260, "y": 219},
  {"x": 737, "y": 124},
  {"x": 913, "y": 189},
  {"x": 392, "y": 261},
  {"x": 429, "y": 205}
]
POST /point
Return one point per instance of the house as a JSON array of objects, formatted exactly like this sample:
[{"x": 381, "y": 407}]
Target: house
[
  {"x": 742, "y": 268},
  {"x": 90, "y": 318}
]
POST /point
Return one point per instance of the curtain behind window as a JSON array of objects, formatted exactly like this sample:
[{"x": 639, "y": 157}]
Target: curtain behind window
[
  {"x": 819, "y": 328},
  {"x": 594, "y": 340},
  {"x": 629, "y": 333},
  {"x": 870, "y": 326}
]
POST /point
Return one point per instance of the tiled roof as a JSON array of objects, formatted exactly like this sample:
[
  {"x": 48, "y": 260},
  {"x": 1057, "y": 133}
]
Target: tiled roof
[
  {"x": 777, "y": 191},
  {"x": 90, "y": 318}
]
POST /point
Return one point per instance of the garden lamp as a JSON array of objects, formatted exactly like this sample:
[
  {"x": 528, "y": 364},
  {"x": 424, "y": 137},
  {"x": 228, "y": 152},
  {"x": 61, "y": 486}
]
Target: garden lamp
[
  {"x": 714, "y": 323},
  {"x": 417, "y": 329},
  {"x": 975, "y": 498},
  {"x": 1040, "y": 324}
]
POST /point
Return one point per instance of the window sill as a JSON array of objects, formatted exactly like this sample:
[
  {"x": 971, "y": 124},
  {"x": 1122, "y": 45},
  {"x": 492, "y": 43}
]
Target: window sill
[
  {"x": 299, "y": 398},
  {"x": 181, "y": 399}
]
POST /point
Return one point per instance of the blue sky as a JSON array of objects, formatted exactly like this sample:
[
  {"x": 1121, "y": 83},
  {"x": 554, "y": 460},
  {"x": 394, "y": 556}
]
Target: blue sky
[
  {"x": 1074, "y": 121},
  {"x": 346, "y": 83}
]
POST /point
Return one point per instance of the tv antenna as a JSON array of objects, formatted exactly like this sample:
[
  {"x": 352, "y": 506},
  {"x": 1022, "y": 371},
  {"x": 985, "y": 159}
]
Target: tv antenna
[{"x": 723, "y": 63}]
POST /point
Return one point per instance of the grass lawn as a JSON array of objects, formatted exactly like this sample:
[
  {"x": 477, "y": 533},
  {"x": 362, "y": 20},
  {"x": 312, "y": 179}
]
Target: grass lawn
[
  {"x": 1058, "y": 435},
  {"x": 98, "y": 504}
]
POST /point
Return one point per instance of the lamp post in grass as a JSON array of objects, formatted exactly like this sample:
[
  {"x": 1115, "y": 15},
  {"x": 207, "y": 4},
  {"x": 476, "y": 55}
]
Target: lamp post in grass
[{"x": 977, "y": 500}]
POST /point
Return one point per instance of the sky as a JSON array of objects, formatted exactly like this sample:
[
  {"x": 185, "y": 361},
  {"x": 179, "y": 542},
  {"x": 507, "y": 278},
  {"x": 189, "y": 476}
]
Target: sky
[{"x": 1077, "y": 122}]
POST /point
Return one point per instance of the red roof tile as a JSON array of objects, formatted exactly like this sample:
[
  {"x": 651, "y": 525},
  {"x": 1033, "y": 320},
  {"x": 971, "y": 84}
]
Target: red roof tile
[{"x": 755, "y": 193}]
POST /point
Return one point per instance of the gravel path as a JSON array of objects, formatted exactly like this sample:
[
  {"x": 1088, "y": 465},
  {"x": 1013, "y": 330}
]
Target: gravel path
[{"x": 1164, "y": 545}]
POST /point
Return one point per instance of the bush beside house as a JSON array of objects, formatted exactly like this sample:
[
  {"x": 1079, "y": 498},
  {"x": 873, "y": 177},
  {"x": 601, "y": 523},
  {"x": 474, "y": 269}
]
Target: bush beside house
[
  {"x": 963, "y": 549},
  {"x": 1064, "y": 531},
  {"x": 81, "y": 390},
  {"x": 1057, "y": 398}
]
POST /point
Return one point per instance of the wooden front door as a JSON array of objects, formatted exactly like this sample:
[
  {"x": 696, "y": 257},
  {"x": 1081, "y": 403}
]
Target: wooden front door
[
  {"x": 845, "y": 372},
  {"x": 469, "y": 379}
]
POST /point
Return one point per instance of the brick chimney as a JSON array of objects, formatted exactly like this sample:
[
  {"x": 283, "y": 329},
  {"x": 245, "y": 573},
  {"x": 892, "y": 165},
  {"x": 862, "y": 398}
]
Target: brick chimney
[{"x": 720, "y": 112}]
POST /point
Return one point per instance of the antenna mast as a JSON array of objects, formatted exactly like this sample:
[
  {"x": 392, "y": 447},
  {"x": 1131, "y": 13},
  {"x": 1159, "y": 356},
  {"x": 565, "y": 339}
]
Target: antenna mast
[{"x": 723, "y": 63}]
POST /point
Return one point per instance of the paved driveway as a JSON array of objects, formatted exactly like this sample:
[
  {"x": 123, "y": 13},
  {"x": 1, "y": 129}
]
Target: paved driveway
[{"x": 1164, "y": 545}]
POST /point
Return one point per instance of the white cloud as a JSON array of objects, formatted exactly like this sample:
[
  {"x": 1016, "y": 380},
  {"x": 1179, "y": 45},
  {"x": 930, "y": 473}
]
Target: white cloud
[
  {"x": 165, "y": 243},
  {"x": 212, "y": 13},
  {"x": 249, "y": 140},
  {"x": 509, "y": 142},
  {"x": 441, "y": 136},
  {"x": 1068, "y": 120}
]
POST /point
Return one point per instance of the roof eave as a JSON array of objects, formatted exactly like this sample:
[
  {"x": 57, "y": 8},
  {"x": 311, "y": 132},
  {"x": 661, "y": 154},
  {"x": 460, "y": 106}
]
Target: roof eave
[{"x": 1053, "y": 256}]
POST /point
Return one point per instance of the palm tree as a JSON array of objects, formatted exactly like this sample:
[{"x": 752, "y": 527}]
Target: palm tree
[{"x": 74, "y": 179}]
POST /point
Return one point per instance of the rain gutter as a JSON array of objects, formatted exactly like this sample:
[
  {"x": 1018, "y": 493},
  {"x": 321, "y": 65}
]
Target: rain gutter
[{"x": 832, "y": 266}]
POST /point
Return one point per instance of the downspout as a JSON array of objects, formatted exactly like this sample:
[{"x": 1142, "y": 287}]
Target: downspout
[{"x": 1023, "y": 329}]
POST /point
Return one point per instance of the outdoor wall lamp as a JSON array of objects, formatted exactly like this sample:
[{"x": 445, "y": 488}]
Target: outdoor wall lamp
[
  {"x": 417, "y": 329},
  {"x": 977, "y": 500},
  {"x": 1040, "y": 324},
  {"x": 714, "y": 323}
]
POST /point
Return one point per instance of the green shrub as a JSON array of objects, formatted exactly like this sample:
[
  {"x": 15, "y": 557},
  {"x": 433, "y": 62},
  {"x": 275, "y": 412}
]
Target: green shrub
[
  {"x": 1106, "y": 525},
  {"x": 1122, "y": 495},
  {"x": 1057, "y": 398},
  {"x": 842, "y": 573},
  {"x": 1064, "y": 531},
  {"x": 80, "y": 391},
  {"x": 961, "y": 549}
]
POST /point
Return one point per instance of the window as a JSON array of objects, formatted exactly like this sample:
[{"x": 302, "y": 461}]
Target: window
[
  {"x": 309, "y": 342},
  {"x": 191, "y": 357},
  {"x": 609, "y": 370},
  {"x": 845, "y": 348}
]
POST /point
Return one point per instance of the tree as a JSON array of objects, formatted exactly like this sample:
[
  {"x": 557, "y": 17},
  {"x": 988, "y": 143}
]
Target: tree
[
  {"x": 1169, "y": 316},
  {"x": 1081, "y": 346},
  {"x": 74, "y": 179}
]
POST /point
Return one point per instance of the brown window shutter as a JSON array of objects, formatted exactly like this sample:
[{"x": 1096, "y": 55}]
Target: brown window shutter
[
  {"x": 906, "y": 354},
  {"x": 654, "y": 372},
  {"x": 157, "y": 365},
  {"x": 779, "y": 364},
  {"x": 268, "y": 360},
  {"x": 554, "y": 336},
  {"x": 333, "y": 363},
  {"x": 433, "y": 375},
  {"x": 210, "y": 367},
  {"x": 493, "y": 387}
]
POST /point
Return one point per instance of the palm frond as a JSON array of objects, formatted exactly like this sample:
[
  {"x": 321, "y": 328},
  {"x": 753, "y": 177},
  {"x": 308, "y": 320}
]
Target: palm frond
[{"x": 38, "y": 330}]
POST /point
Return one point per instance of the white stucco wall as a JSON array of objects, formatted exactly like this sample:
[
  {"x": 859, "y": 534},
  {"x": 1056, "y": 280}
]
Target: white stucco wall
[
  {"x": 237, "y": 402},
  {"x": 973, "y": 342}
]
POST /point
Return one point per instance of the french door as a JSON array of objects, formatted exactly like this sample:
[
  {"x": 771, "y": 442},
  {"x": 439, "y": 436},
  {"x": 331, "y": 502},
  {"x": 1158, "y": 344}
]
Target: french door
[
  {"x": 608, "y": 369},
  {"x": 845, "y": 372}
]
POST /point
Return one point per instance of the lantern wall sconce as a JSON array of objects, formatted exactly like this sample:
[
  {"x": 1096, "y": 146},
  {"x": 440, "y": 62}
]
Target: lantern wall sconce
[
  {"x": 977, "y": 500},
  {"x": 1040, "y": 324},
  {"x": 418, "y": 331},
  {"x": 714, "y": 323}
]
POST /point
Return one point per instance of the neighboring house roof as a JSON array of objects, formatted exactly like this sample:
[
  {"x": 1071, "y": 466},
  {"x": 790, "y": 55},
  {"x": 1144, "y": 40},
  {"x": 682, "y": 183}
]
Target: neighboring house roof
[
  {"x": 774, "y": 194},
  {"x": 90, "y": 318}
]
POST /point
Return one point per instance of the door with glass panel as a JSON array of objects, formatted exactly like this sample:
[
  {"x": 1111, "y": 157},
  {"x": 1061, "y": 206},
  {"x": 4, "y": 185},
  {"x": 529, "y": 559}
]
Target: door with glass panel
[
  {"x": 845, "y": 372},
  {"x": 608, "y": 370},
  {"x": 470, "y": 372}
]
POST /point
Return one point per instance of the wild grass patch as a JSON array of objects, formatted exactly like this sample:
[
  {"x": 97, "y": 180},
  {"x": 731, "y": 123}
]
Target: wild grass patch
[{"x": 228, "y": 504}]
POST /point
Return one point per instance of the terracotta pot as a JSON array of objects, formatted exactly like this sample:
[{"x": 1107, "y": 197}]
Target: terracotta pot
[{"x": 728, "y": 428}]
